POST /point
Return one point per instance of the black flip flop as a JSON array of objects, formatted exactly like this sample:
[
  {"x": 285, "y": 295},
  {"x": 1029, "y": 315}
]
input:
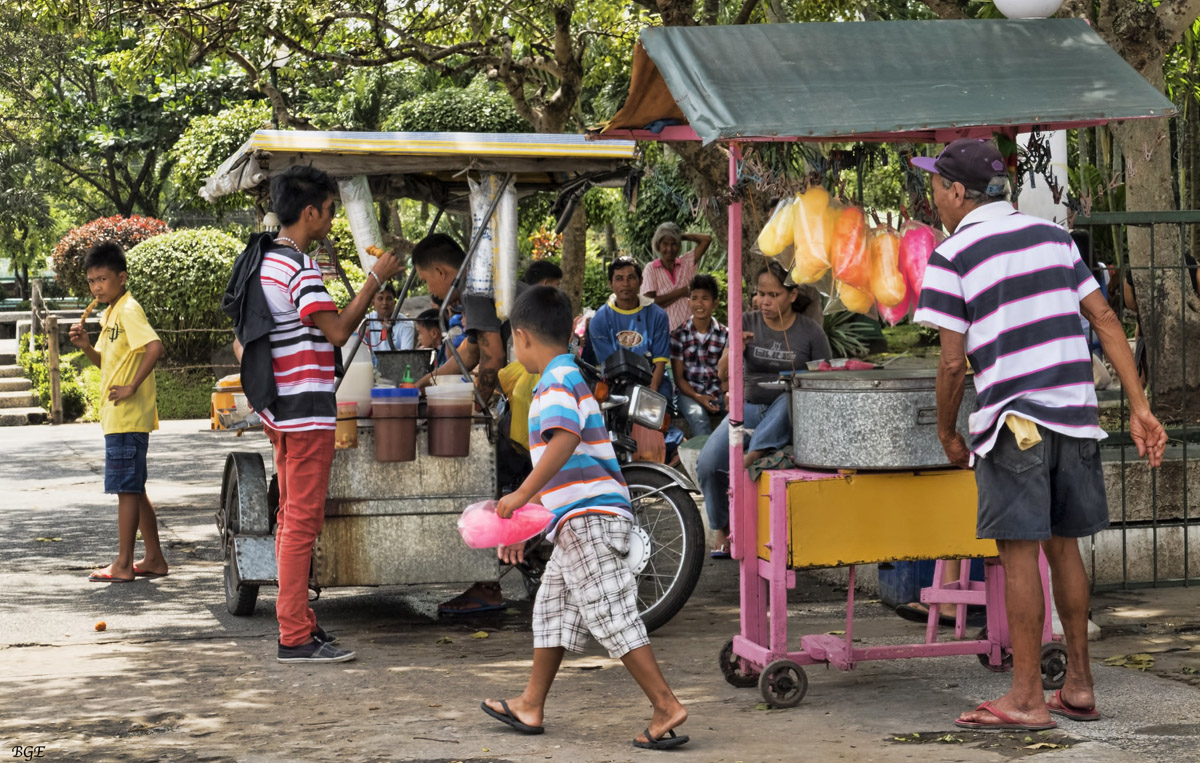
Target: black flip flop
[
  {"x": 508, "y": 718},
  {"x": 664, "y": 742}
]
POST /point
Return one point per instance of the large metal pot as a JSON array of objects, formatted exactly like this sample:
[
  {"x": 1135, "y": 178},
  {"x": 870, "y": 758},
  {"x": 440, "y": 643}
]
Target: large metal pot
[{"x": 881, "y": 419}]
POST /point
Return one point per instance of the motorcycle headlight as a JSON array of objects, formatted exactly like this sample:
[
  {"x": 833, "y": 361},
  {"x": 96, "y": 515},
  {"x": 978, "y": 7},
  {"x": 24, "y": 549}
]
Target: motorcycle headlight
[{"x": 647, "y": 407}]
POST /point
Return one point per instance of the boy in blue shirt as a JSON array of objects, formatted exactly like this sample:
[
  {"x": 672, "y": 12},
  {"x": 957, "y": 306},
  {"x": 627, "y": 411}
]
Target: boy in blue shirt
[{"x": 587, "y": 588}]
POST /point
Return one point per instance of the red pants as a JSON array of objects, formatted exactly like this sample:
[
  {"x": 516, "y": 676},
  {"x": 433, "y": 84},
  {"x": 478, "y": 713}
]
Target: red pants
[{"x": 302, "y": 463}]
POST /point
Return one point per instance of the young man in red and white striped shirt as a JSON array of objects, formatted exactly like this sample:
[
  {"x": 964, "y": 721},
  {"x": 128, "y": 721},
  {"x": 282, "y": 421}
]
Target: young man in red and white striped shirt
[{"x": 301, "y": 421}]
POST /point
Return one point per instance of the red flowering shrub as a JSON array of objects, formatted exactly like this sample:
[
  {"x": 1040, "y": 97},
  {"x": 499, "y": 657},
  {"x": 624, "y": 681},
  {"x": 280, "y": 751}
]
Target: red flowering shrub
[{"x": 69, "y": 253}]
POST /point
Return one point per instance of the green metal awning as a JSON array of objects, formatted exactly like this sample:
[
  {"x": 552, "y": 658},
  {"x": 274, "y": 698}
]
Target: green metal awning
[{"x": 885, "y": 80}]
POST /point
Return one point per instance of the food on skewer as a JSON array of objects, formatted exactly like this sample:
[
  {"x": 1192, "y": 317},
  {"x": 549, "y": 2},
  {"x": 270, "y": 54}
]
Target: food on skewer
[{"x": 88, "y": 311}]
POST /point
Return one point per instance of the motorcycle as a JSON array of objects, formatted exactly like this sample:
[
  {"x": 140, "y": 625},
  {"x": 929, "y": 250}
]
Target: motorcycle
[{"x": 667, "y": 543}]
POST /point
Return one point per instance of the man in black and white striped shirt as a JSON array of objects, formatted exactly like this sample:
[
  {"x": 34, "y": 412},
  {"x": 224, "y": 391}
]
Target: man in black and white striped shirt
[{"x": 1006, "y": 291}]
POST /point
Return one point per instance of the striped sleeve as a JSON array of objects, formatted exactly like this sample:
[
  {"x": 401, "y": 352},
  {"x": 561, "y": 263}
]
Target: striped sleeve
[
  {"x": 942, "y": 304},
  {"x": 558, "y": 409},
  {"x": 307, "y": 292}
]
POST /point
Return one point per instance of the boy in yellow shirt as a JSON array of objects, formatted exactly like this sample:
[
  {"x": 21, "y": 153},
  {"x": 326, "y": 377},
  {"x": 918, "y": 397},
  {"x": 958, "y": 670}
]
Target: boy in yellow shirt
[{"x": 126, "y": 353}]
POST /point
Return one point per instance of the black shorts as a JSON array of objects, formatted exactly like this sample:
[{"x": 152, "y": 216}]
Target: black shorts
[{"x": 1054, "y": 488}]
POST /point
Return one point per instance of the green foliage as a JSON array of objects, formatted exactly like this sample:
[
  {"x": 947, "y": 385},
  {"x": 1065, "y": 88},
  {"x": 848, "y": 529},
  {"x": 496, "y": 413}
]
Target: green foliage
[
  {"x": 179, "y": 278},
  {"x": 37, "y": 370},
  {"x": 183, "y": 394},
  {"x": 664, "y": 196},
  {"x": 208, "y": 141},
  {"x": 848, "y": 336},
  {"x": 26, "y": 224},
  {"x": 477, "y": 108},
  {"x": 595, "y": 284},
  {"x": 69, "y": 252}
]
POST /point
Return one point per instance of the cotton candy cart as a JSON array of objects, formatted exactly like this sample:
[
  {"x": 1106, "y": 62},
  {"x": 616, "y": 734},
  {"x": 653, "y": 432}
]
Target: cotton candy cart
[
  {"x": 898, "y": 82},
  {"x": 394, "y": 523}
]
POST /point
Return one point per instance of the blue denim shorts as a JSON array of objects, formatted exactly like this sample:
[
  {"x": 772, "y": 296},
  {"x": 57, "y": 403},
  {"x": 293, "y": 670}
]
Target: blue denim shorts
[
  {"x": 125, "y": 462},
  {"x": 1054, "y": 488}
]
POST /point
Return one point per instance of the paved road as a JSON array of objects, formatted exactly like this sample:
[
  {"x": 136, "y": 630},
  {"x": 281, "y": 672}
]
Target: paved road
[{"x": 174, "y": 677}]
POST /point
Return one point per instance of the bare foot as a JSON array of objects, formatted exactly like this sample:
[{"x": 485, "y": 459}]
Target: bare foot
[
  {"x": 720, "y": 542},
  {"x": 663, "y": 720},
  {"x": 527, "y": 713},
  {"x": 1037, "y": 715},
  {"x": 751, "y": 456},
  {"x": 113, "y": 571},
  {"x": 157, "y": 568}
]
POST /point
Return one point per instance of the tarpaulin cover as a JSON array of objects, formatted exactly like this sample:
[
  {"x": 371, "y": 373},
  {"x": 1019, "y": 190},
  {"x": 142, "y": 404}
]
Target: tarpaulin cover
[{"x": 855, "y": 80}]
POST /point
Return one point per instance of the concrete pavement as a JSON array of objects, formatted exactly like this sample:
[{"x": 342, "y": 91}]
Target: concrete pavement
[{"x": 176, "y": 678}]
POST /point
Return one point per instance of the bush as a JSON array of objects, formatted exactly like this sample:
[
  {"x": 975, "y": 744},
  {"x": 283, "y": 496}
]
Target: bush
[
  {"x": 37, "y": 370},
  {"x": 69, "y": 252},
  {"x": 183, "y": 394},
  {"x": 179, "y": 279},
  {"x": 477, "y": 108}
]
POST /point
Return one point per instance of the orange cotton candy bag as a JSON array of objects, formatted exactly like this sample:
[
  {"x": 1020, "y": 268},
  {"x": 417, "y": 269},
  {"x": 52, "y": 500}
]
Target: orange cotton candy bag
[
  {"x": 810, "y": 235},
  {"x": 855, "y": 300},
  {"x": 776, "y": 235},
  {"x": 894, "y": 315},
  {"x": 887, "y": 282},
  {"x": 850, "y": 256}
]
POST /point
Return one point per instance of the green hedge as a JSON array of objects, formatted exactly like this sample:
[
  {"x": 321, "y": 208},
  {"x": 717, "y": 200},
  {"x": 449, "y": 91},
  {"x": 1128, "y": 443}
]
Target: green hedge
[
  {"x": 179, "y": 278},
  {"x": 181, "y": 394},
  {"x": 37, "y": 370}
]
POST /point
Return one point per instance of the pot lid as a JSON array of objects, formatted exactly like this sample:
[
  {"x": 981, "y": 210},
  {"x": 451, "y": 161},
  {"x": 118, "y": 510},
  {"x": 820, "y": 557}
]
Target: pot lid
[{"x": 882, "y": 380}]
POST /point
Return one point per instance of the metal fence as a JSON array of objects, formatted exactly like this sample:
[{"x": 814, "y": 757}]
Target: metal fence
[{"x": 1154, "y": 525}]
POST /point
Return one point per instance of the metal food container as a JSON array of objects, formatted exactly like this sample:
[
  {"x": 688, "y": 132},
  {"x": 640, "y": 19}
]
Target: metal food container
[{"x": 880, "y": 419}]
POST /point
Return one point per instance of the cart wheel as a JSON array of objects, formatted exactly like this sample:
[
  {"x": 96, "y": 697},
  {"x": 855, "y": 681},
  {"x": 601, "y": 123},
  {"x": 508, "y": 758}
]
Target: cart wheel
[
  {"x": 783, "y": 683},
  {"x": 735, "y": 669},
  {"x": 240, "y": 598},
  {"x": 1054, "y": 665},
  {"x": 1005, "y": 664}
]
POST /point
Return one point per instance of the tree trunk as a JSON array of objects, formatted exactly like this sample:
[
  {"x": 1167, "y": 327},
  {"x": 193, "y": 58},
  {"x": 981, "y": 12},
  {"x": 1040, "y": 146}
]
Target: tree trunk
[
  {"x": 1169, "y": 313},
  {"x": 574, "y": 255}
]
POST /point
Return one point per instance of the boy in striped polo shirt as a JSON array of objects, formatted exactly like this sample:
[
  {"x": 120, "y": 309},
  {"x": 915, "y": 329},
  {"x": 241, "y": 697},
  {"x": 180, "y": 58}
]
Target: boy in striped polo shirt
[
  {"x": 1006, "y": 291},
  {"x": 587, "y": 587}
]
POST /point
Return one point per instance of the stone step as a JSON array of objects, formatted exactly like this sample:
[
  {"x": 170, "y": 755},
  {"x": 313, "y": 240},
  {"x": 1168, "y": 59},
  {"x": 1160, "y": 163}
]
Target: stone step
[
  {"x": 11, "y": 370},
  {"x": 7, "y": 358},
  {"x": 18, "y": 417},
  {"x": 15, "y": 384},
  {"x": 18, "y": 399}
]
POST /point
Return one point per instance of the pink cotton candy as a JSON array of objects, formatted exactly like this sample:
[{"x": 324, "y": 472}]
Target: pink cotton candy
[
  {"x": 481, "y": 527},
  {"x": 917, "y": 242}
]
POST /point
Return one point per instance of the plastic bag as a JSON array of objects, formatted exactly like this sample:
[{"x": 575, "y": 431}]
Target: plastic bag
[
  {"x": 810, "y": 235},
  {"x": 887, "y": 282},
  {"x": 481, "y": 527},
  {"x": 776, "y": 235},
  {"x": 850, "y": 257},
  {"x": 480, "y": 278},
  {"x": 364, "y": 221},
  {"x": 504, "y": 260},
  {"x": 854, "y": 299},
  {"x": 917, "y": 242},
  {"x": 897, "y": 313}
]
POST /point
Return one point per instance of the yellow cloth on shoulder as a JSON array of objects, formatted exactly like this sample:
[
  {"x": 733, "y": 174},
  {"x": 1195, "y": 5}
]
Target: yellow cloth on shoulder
[
  {"x": 1024, "y": 430},
  {"x": 518, "y": 385}
]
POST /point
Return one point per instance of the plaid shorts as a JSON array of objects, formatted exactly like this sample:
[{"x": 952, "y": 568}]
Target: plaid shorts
[{"x": 588, "y": 589}]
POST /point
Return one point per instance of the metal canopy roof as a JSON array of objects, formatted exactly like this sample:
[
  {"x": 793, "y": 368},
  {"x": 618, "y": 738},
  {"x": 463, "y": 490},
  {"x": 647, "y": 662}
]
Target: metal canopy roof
[
  {"x": 885, "y": 80},
  {"x": 420, "y": 165}
]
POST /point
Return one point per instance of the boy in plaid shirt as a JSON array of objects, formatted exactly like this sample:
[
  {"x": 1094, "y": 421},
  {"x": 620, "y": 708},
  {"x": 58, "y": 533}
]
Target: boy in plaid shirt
[
  {"x": 696, "y": 347},
  {"x": 588, "y": 587}
]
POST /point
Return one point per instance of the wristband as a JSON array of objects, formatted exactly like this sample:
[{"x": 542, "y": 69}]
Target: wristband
[{"x": 377, "y": 281}]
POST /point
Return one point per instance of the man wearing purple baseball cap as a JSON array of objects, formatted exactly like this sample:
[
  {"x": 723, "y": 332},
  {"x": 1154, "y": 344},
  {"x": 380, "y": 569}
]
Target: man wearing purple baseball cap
[{"x": 1006, "y": 291}]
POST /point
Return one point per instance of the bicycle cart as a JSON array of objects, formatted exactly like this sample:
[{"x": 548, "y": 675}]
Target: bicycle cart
[
  {"x": 911, "y": 82},
  {"x": 394, "y": 523}
]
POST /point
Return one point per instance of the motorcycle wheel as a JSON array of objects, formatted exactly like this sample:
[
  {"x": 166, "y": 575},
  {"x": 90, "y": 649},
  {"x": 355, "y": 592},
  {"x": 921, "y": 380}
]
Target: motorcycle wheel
[{"x": 667, "y": 513}]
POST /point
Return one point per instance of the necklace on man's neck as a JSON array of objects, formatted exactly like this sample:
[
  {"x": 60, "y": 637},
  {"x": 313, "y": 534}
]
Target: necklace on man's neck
[{"x": 292, "y": 244}]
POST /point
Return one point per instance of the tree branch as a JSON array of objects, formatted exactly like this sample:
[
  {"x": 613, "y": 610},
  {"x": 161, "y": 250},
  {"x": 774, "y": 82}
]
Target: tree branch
[{"x": 746, "y": 9}]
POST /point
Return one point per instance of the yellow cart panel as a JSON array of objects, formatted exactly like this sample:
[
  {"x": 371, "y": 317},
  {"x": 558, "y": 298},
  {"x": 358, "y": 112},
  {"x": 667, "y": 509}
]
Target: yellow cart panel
[{"x": 840, "y": 519}]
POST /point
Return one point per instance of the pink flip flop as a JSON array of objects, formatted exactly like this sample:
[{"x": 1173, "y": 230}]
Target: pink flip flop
[
  {"x": 104, "y": 577},
  {"x": 1059, "y": 706},
  {"x": 1005, "y": 723},
  {"x": 139, "y": 572}
]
